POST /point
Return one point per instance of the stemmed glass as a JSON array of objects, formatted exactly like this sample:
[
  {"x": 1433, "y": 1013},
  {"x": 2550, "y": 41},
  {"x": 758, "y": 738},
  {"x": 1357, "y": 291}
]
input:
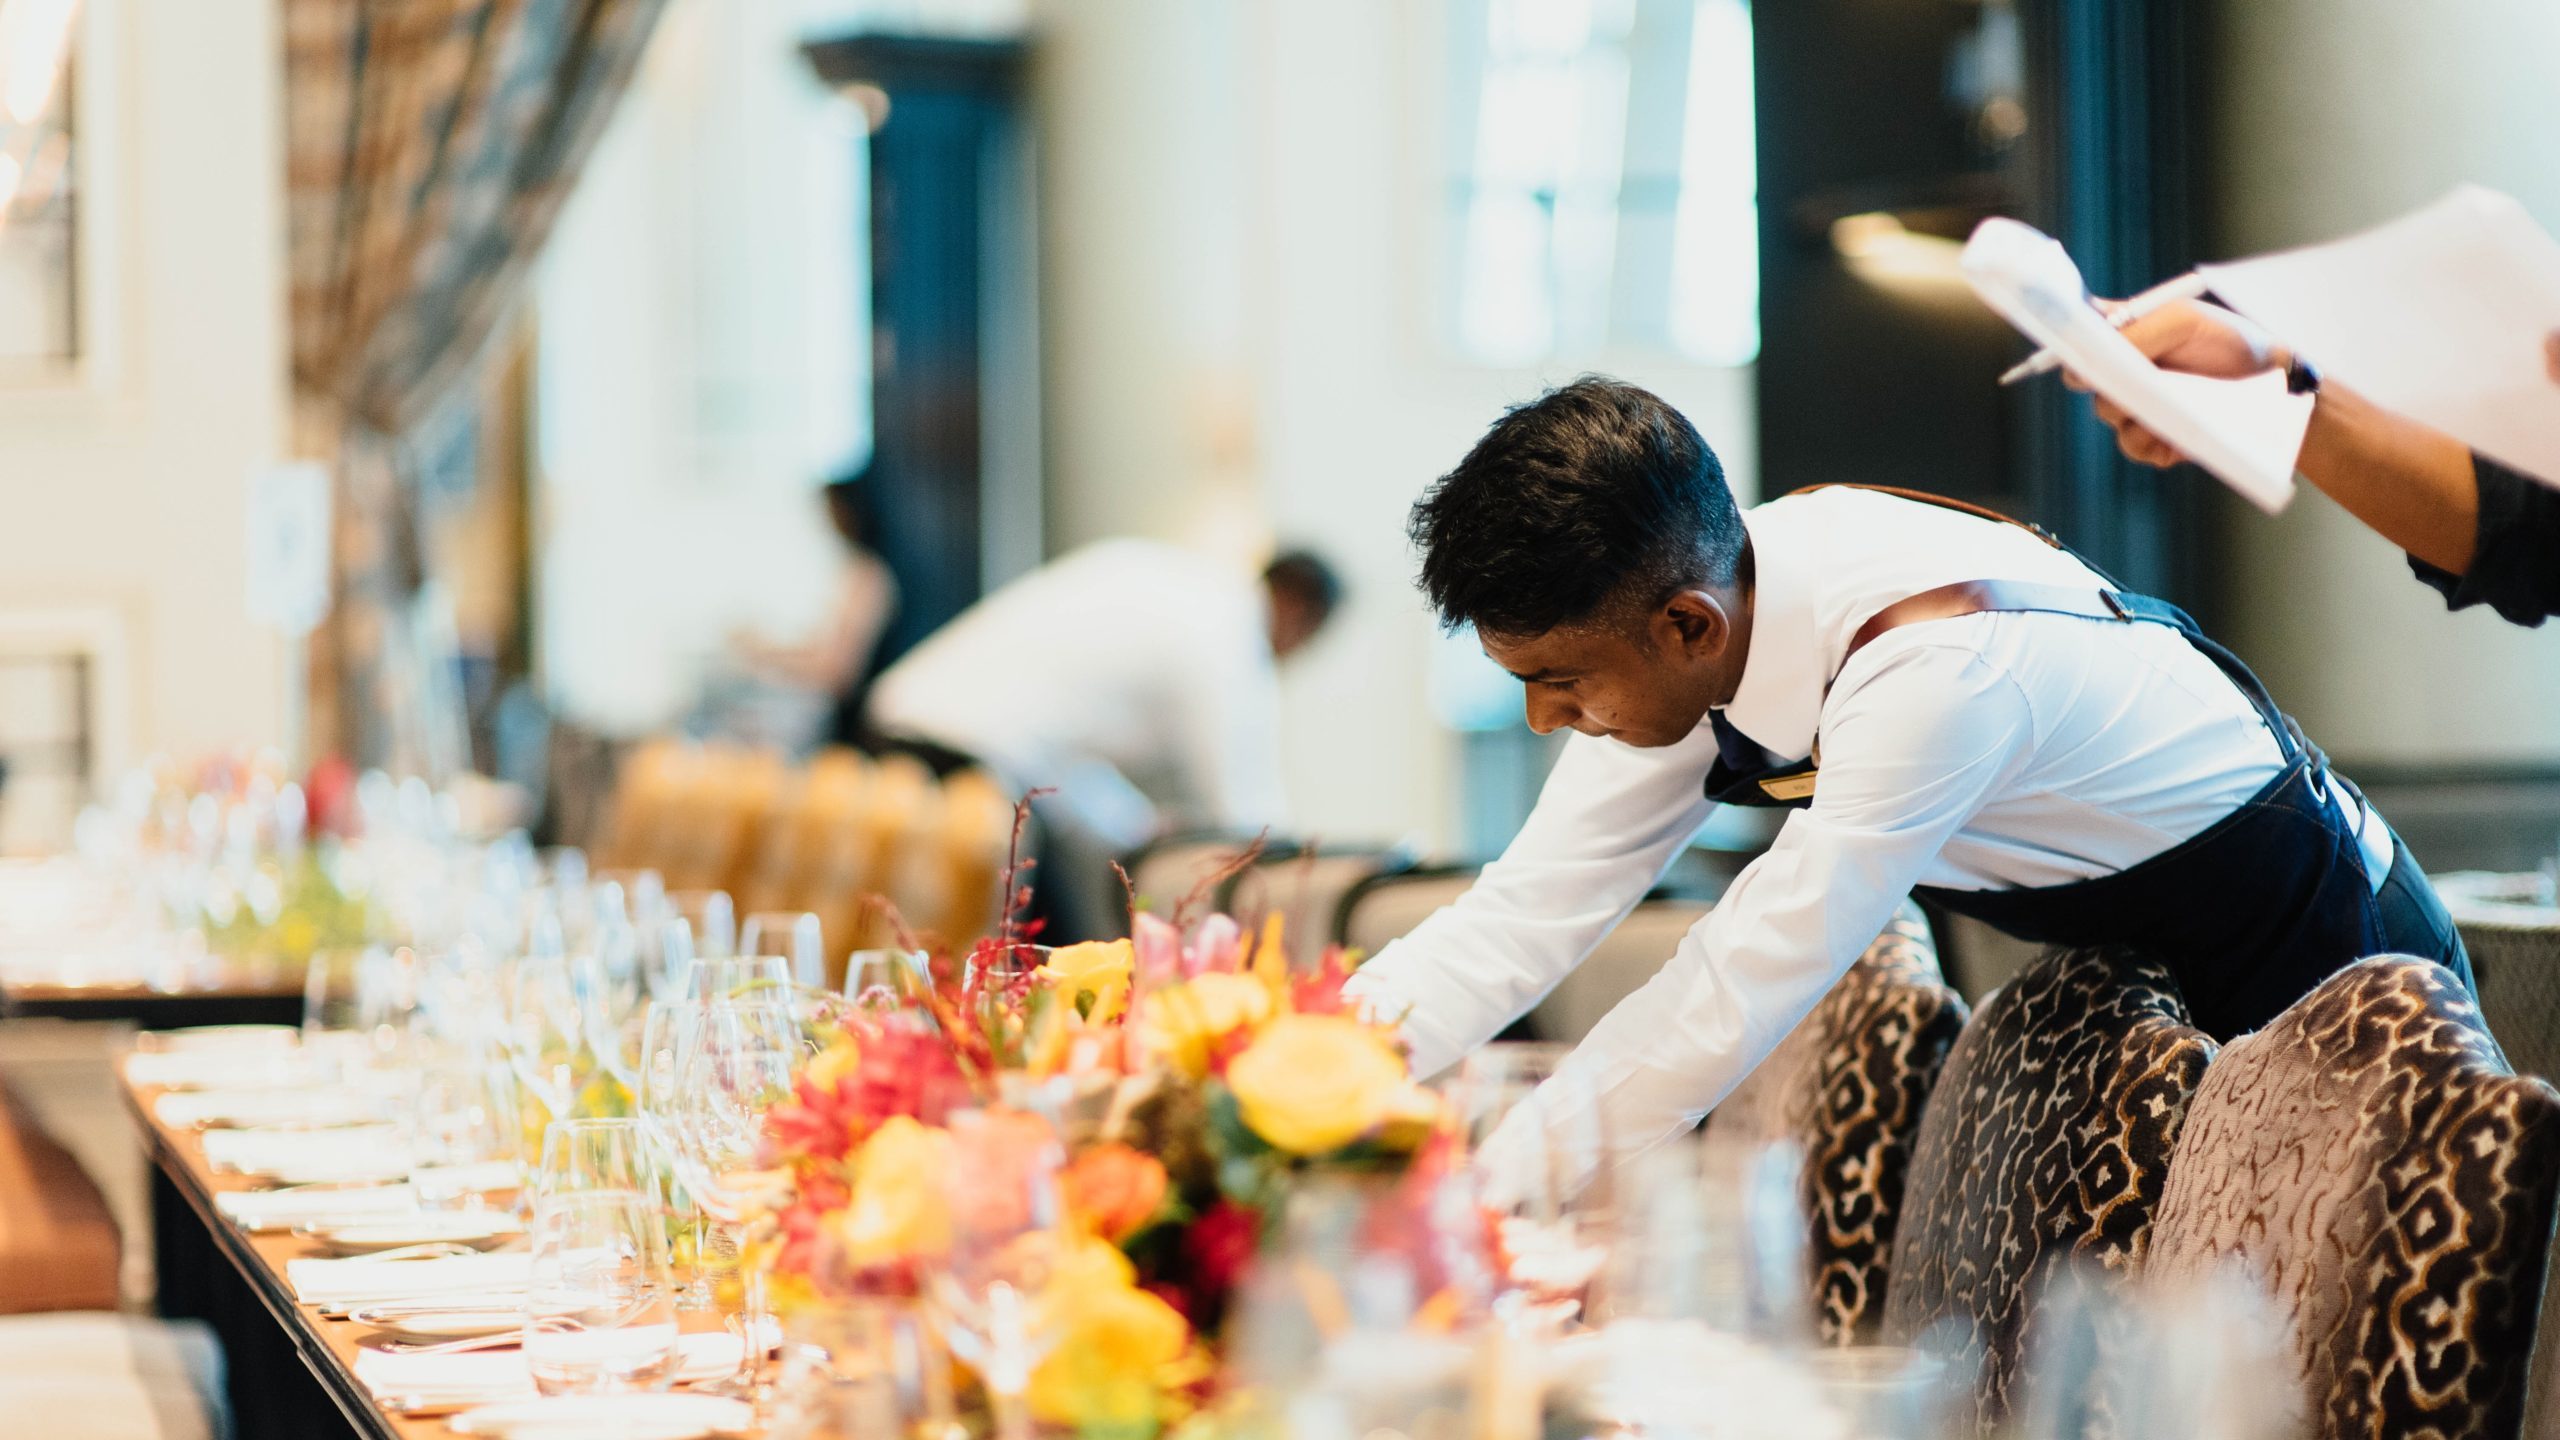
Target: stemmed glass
[
  {"x": 794, "y": 934},
  {"x": 666, "y": 1041},
  {"x": 711, "y": 919},
  {"x": 1538, "y": 1140},
  {"x": 738, "y": 1065},
  {"x": 600, "y": 1305},
  {"x": 1002, "y": 1185}
]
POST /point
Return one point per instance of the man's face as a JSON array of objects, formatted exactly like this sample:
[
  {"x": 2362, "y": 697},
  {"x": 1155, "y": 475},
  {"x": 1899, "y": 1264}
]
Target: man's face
[{"x": 1646, "y": 684}]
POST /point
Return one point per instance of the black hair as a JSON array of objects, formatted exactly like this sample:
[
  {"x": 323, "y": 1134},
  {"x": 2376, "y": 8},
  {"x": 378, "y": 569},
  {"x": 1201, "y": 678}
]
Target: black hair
[
  {"x": 853, "y": 508},
  {"x": 1594, "y": 496},
  {"x": 1303, "y": 576}
]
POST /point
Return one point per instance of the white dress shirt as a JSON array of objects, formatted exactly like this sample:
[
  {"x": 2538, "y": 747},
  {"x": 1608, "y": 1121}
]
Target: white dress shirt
[
  {"x": 1991, "y": 751},
  {"x": 1132, "y": 676}
]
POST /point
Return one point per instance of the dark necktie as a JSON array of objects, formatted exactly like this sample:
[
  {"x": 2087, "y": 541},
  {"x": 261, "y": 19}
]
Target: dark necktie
[{"x": 1741, "y": 754}]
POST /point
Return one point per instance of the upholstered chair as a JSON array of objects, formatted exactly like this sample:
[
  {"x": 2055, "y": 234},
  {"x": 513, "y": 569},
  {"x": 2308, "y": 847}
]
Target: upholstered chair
[
  {"x": 2046, "y": 1144},
  {"x": 2373, "y": 1162},
  {"x": 1848, "y": 1086}
]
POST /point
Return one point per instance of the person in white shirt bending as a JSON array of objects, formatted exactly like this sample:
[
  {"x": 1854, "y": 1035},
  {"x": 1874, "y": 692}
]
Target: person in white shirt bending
[
  {"x": 1136, "y": 680},
  {"x": 1952, "y": 703}
]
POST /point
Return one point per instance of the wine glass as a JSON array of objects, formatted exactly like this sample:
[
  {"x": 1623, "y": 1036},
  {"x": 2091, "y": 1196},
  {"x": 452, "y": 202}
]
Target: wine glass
[
  {"x": 1538, "y": 1139},
  {"x": 753, "y": 977},
  {"x": 1002, "y": 1185},
  {"x": 712, "y": 918},
  {"x": 739, "y": 1064},
  {"x": 795, "y": 934},
  {"x": 618, "y": 1153},
  {"x": 600, "y": 1302},
  {"x": 883, "y": 978},
  {"x": 465, "y": 1117}
]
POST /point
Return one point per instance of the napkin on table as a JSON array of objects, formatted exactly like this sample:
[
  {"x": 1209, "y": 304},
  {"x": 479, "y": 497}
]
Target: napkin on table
[
  {"x": 362, "y": 1281},
  {"x": 257, "y": 1210}
]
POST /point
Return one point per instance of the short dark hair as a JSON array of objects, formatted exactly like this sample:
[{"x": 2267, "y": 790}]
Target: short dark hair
[
  {"x": 1305, "y": 577},
  {"x": 1593, "y": 496}
]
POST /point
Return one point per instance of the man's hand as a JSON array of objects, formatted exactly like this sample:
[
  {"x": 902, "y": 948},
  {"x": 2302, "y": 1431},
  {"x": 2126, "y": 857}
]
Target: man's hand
[{"x": 2192, "y": 338}]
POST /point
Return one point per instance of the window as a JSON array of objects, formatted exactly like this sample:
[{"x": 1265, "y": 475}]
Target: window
[
  {"x": 1602, "y": 194},
  {"x": 38, "y": 323}
]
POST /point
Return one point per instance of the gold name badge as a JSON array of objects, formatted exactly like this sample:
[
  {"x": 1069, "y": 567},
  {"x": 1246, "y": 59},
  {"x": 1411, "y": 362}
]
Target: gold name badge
[{"x": 1789, "y": 787}]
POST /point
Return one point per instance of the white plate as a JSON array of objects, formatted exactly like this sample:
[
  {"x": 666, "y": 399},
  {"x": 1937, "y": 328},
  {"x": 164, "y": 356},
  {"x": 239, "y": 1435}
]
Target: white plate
[
  {"x": 623, "y": 1417},
  {"x": 483, "y": 1229},
  {"x": 442, "y": 1324}
]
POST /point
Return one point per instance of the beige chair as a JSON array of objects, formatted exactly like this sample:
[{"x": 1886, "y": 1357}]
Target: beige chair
[
  {"x": 1385, "y": 908},
  {"x": 2046, "y": 1143},
  {"x": 1185, "y": 871},
  {"x": 2372, "y": 1161},
  {"x": 1306, "y": 887},
  {"x": 59, "y": 1249},
  {"x": 1848, "y": 1086},
  {"x": 1623, "y": 960},
  {"x": 109, "y": 1377}
]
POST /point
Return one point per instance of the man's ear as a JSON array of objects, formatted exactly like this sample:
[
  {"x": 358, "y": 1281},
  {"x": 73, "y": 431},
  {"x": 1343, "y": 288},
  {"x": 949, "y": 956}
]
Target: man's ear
[{"x": 1694, "y": 623}]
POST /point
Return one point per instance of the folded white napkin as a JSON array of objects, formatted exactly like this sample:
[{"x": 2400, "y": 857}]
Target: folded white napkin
[
  {"x": 238, "y": 1108},
  {"x": 341, "y": 1283},
  {"x": 478, "y": 1176},
  {"x": 254, "y": 1068},
  {"x": 260, "y": 1150},
  {"x": 257, "y": 1210},
  {"x": 488, "y": 1376}
]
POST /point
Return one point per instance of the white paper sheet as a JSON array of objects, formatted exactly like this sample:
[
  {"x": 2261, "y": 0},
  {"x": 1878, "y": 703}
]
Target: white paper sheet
[
  {"x": 2245, "y": 432},
  {"x": 2440, "y": 315}
]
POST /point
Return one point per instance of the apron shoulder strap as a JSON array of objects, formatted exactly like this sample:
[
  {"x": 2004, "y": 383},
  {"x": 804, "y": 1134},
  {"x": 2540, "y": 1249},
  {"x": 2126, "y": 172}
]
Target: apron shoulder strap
[
  {"x": 1975, "y": 597},
  {"x": 1945, "y": 502}
]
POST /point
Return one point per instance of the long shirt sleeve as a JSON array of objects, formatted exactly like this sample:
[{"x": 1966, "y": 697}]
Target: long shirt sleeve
[{"x": 2515, "y": 561}]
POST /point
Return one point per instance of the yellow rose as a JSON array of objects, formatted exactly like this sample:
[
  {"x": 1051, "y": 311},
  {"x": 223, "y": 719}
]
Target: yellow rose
[
  {"x": 1099, "y": 969},
  {"x": 899, "y": 1209},
  {"x": 1314, "y": 1083},
  {"x": 1116, "y": 1348},
  {"x": 1185, "y": 1022}
]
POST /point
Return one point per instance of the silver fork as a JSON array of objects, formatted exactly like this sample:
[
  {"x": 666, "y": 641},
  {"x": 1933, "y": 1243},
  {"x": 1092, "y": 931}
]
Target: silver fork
[{"x": 502, "y": 1340}]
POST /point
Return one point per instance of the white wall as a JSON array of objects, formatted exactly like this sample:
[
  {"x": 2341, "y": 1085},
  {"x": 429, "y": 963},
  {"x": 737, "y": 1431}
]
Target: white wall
[
  {"x": 2332, "y": 115},
  {"x": 1239, "y": 235},
  {"x": 701, "y": 366},
  {"x": 126, "y": 492}
]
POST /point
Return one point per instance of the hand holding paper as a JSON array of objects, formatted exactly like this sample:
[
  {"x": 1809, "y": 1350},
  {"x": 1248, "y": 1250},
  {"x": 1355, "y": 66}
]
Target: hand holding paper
[{"x": 2246, "y": 432}]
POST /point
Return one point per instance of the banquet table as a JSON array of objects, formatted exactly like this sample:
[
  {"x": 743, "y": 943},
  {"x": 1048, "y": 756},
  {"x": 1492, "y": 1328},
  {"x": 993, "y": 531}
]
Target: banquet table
[
  {"x": 221, "y": 996},
  {"x": 291, "y": 1372}
]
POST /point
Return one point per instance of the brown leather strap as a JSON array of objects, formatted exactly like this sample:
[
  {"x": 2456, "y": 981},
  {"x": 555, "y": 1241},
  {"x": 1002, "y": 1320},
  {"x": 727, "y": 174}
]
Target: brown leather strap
[
  {"x": 1976, "y": 597},
  {"x": 1962, "y": 507}
]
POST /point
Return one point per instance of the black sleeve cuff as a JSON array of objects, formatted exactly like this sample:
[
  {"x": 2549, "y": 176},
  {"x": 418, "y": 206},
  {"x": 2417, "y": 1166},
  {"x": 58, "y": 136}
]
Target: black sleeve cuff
[{"x": 2515, "y": 557}]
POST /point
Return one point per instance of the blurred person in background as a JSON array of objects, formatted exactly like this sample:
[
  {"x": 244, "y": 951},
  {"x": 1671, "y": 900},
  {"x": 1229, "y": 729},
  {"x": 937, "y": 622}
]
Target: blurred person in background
[
  {"x": 1135, "y": 680},
  {"x": 822, "y": 683},
  {"x": 2477, "y": 531}
]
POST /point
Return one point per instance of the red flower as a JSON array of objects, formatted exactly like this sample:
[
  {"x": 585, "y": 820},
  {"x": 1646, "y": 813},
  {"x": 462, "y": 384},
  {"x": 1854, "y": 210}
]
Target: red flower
[{"x": 1218, "y": 1247}]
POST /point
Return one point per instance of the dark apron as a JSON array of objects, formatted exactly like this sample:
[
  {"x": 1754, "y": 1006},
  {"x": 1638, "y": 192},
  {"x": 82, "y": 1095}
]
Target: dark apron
[{"x": 2250, "y": 915}]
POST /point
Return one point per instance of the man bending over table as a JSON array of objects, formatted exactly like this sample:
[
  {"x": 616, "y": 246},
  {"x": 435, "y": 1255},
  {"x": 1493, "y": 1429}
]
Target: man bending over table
[{"x": 1952, "y": 704}]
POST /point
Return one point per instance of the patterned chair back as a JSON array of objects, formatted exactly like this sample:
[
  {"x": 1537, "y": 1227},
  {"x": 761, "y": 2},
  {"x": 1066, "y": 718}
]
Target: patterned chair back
[
  {"x": 1848, "y": 1085},
  {"x": 2045, "y": 1144},
  {"x": 2371, "y": 1159}
]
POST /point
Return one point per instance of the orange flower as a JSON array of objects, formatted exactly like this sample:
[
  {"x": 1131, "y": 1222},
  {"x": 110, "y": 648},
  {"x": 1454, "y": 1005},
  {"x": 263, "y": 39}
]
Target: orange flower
[{"x": 1114, "y": 1190}]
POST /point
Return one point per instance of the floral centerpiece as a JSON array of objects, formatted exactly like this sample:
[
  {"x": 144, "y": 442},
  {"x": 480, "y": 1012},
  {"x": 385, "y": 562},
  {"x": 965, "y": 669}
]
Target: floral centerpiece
[{"x": 1189, "y": 1075}]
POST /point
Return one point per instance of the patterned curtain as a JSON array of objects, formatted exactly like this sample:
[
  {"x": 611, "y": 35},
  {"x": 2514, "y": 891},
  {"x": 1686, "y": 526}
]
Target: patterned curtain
[{"x": 430, "y": 144}]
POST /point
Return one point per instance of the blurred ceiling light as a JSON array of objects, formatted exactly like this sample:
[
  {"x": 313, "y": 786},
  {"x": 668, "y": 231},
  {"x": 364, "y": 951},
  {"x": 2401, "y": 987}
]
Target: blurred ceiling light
[
  {"x": 35, "y": 39},
  {"x": 1880, "y": 247}
]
